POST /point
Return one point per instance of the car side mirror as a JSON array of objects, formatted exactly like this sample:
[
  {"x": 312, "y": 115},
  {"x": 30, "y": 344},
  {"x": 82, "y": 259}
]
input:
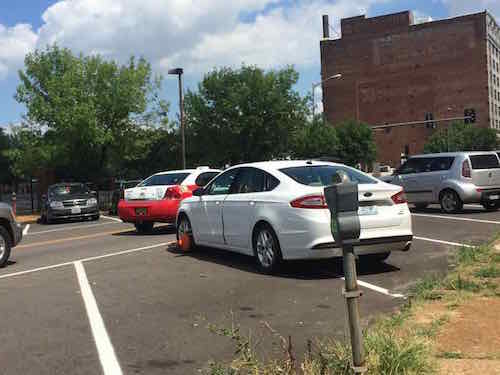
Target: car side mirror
[{"x": 198, "y": 192}]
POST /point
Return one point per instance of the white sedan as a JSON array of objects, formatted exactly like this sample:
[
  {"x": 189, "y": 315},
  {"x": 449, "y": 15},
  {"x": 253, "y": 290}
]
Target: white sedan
[{"x": 276, "y": 210}]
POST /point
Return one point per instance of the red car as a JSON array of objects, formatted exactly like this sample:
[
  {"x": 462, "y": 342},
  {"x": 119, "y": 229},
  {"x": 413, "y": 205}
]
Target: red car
[{"x": 157, "y": 198}]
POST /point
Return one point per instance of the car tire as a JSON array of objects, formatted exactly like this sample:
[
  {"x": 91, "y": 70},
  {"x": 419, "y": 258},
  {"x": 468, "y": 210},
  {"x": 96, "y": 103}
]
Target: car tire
[
  {"x": 266, "y": 249},
  {"x": 144, "y": 228},
  {"x": 450, "y": 202},
  {"x": 96, "y": 217},
  {"x": 421, "y": 206},
  {"x": 379, "y": 257},
  {"x": 5, "y": 246},
  {"x": 491, "y": 206},
  {"x": 184, "y": 227}
]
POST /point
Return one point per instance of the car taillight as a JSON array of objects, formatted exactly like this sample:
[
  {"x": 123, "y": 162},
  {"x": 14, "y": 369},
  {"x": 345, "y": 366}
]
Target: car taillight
[
  {"x": 399, "y": 198},
  {"x": 466, "y": 169},
  {"x": 310, "y": 201},
  {"x": 175, "y": 192}
]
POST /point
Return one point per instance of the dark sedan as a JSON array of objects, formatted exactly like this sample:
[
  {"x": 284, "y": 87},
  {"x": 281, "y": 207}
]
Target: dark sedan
[{"x": 69, "y": 201}]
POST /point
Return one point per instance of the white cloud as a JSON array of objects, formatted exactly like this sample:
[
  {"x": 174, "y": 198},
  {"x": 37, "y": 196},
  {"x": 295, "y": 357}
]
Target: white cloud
[
  {"x": 194, "y": 34},
  {"x": 15, "y": 42}
]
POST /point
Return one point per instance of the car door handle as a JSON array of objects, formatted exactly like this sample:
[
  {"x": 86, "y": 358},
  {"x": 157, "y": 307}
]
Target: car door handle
[
  {"x": 217, "y": 202},
  {"x": 251, "y": 203}
]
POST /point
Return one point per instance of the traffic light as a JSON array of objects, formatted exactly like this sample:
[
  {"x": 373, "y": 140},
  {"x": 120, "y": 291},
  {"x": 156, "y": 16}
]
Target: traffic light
[
  {"x": 469, "y": 115},
  {"x": 430, "y": 117}
]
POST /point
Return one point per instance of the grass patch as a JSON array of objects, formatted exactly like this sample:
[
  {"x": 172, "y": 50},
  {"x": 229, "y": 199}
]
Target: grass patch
[
  {"x": 450, "y": 355},
  {"x": 488, "y": 271}
]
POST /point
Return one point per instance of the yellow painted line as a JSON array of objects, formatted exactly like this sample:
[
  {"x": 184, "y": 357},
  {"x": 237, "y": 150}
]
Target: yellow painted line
[{"x": 62, "y": 240}]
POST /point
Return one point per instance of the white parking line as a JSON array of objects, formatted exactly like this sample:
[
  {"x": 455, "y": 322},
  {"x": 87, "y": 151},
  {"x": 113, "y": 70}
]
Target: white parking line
[
  {"x": 85, "y": 260},
  {"x": 442, "y": 242},
  {"x": 107, "y": 355},
  {"x": 70, "y": 228},
  {"x": 379, "y": 289},
  {"x": 26, "y": 229},
  {"x": 112, "y": 218},
  {"x": 459, "y": 218}
]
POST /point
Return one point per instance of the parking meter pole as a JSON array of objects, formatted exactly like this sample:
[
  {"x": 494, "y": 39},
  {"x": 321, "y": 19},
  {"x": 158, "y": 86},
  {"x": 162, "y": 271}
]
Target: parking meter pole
[{"x": 352, "y": 294}]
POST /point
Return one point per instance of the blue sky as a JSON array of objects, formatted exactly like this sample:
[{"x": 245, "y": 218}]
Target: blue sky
[{"x": 195, "y": 34}]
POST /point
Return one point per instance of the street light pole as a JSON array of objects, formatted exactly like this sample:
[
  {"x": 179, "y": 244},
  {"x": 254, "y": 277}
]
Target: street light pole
[
  {"x": 314, "y": 85},
  {"x": 178, "y": 72}
]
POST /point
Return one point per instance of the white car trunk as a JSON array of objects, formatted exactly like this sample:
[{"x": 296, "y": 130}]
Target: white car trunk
[{"x": 146, "y": 192}]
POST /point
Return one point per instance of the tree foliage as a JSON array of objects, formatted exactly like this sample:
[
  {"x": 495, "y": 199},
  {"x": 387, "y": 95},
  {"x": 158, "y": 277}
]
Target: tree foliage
[
  {"x": 462, "y": 137},
  {"x": 356, "y": 143},
  {"x": 243, "y": 115},
  {"x": 90, "y": 108},
  {"x": 315, "y": 139}
]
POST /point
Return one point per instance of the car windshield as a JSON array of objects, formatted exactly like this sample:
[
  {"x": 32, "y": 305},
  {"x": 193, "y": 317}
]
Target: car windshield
[
  {"x": 68, "y": 189},
  {"x": 485, "y": 161},
  {"x": 322, "y": 175},
  {"x": 164, "y": 179}
]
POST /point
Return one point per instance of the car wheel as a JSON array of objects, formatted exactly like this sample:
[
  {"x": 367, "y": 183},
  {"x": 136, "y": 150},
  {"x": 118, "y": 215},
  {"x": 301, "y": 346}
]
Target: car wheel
[
  {"x": 4, "y": 246},
  {"x": 266, "y": 248},
  {"x": 184, "y": 234},
  {"x": 146, "y": 227},
  {"x": 379, "y": 257},
  {"x": 491, "y": 206},
  {"x": 421, "y": 206},
  {"x": 450, "y": 202}
]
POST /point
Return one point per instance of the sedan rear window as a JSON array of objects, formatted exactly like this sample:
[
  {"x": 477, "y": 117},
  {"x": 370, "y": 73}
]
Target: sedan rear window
[
  {"x": 486, "y": 161},
  {"x": 322, "y": 175},
  {"x": 164, "y": 179}
]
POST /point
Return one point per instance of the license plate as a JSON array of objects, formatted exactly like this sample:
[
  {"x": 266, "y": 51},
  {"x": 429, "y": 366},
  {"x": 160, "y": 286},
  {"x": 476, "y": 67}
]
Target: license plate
[
  {"x": 140, "y": 211},
  {"x": 76, "y": 210},
  {"x": 494, "y": 197},
  {"x": 367, "y": 210}
]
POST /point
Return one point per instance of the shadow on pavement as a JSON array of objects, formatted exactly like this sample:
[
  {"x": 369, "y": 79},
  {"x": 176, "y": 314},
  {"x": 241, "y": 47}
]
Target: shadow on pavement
[
  {"x": 157, "y": 231},
  {"x": 297, "y": 269},
  {"x": 438, "y": 211}
]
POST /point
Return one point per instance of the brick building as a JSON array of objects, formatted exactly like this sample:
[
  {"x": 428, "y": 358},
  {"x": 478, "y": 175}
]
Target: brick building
[{"x": 395, "y": 71}]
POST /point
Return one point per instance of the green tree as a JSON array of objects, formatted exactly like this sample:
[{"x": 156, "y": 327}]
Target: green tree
[
  {"x": 462, "y": 137},
  {"x": 243, "y": 115},
  {"x": 90, "y": 107},
  {"x": 355, "y": 143},
  {"x": 5, "y": 174},
  {"x": 315, "y": 139}
]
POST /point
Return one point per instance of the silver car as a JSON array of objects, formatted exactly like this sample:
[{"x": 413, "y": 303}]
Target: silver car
[{"x": 451, "y": 179}]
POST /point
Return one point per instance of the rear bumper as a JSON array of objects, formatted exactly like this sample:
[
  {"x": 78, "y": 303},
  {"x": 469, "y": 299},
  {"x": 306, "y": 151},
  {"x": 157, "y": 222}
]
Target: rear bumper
[{"x": 164, "y": 211}]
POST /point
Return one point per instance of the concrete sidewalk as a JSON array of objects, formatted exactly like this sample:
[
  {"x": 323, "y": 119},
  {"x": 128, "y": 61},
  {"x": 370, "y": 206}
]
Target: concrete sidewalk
[{"x": 27, "y": 219}]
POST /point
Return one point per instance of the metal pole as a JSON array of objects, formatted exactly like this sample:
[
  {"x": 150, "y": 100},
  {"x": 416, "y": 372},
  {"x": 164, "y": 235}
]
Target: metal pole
[
  {"x": 181, "y": 105},
  {"x": 31, "y": 193},
  {"x": 14, "y": 204},
  {"x": 352, "y": 294}
]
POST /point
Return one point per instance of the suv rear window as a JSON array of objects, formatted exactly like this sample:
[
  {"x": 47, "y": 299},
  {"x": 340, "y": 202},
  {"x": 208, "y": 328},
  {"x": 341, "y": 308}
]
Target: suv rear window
[
  {"x": 322, "y": 175},
  {"x": 487, "y": 161}
]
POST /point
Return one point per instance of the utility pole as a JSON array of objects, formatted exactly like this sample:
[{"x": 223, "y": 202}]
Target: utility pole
[{"x": 179, "y": 72}]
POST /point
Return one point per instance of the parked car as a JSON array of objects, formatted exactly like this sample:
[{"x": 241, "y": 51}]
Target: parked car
[
  {"x": 276, "y": 210},
  {"x": 69, "y": 201},
  {"x": 10, "y": 232},
  {"x": 451, "y": 179},
  {"x": 119, "y": 193},
  {"x": 157, "y": 198}
]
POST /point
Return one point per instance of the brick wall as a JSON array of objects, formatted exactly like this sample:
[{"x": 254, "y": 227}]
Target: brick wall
[{"x": 393, "y": 71}]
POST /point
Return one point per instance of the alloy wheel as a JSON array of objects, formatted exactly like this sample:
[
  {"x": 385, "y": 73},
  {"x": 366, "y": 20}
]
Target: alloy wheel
[
  {"x": 265, "y": 248},
  {"x": 3, "y": 246}
]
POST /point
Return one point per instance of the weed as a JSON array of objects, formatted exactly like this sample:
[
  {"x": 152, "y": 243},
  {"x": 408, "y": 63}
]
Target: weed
[
  {"x": 427, "y": 288},
  {"x": 450, "y": 355},
  {"x": 469, "y": 255},
  {"x": 458, "y": 283}
]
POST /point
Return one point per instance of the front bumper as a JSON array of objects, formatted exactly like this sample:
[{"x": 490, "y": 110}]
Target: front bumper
[
  {"x": 65, "y": 213},
  {"x": 163, "y": 211}
]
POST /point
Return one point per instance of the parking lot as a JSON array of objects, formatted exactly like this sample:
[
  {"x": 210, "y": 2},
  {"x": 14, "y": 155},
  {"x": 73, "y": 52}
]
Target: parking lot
[{"x": 95, "y": 297}]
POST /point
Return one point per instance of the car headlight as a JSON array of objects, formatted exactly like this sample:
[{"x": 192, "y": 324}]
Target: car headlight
[
  {"x": 56, "y": 204},
  {"x": 91, "y": 202}
]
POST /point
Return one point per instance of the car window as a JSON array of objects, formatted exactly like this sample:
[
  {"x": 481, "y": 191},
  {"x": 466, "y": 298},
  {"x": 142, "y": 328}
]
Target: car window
[
  {"x": 204, "y": 178},
  {"x": 222, "y": 184},
  {"x": 250, "y": 180},
  {"x": 270, "y": 182},
  {"x": 322, "y": 175},
  {"x": 68, "y": 189},
  {"x": 415, "y": 165},
  {"x": 164, "y": 179},
  {"x": 485, "y": 161},
  {"x": 441, "y": 163}
]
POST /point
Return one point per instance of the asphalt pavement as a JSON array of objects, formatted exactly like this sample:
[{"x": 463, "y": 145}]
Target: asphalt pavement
[{"x": 96, "y": 297}]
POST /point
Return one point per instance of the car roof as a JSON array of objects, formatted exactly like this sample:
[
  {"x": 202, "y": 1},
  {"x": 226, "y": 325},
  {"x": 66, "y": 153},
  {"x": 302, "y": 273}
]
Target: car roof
[
  {"x": 274, "y": 165},
  {"x": 458, "y": 153},
  {"x": 201, "y": 170}
]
